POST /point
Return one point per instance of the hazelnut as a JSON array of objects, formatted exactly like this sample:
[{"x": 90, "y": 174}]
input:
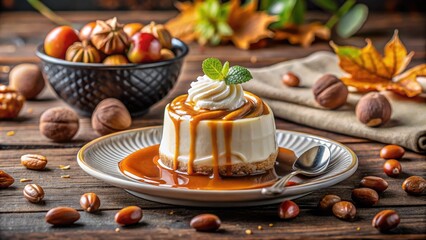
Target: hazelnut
[
  {"x": 33, "y": 193},
  {"x": 290, "y": 79},
  {"x": 373, "y": 109},
  {"x": 288, "y": 210},
  {"x": 205, "y": 222},
  {"x": 376, "y": 183},
  {"x": 386, "y": 220},
  {"x": 90, "y": 202},
  {"x": 27, "y": 79},
  {"x": 11, "y": 102},
  {"x": 5, "y": 180},
  {"x": 110, "y": 116},
  {"x": 365, "y": 196},
  {"x": 34, "y": 161},
  {"x": 59, "y": 124},
  {"x": 129, "y": 215},
  {"x": 327, "y": 202},
  {"x": 344, "y": 210},
  {"x": 392, "y": 168},
  {"x": 392, "y": 151},
  {"x": 414, "y": 185},
  {"x": 62, "y": 216},
  {"x": 330, "y": 92}
]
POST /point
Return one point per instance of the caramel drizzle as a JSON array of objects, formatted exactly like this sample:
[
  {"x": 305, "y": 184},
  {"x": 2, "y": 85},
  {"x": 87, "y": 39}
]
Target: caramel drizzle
[
  {"x": 215, "y": 152},
  {"x": 180, "y": 108}
]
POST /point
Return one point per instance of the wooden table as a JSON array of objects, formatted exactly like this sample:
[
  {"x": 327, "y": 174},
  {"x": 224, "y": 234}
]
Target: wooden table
[{"x": 20, "y": 219}]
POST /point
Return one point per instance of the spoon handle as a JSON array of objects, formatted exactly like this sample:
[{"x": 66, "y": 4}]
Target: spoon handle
[{"x": 279, "y": 186}]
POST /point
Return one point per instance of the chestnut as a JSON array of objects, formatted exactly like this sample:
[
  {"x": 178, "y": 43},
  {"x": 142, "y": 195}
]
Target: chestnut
[
  {"x": 373, "y": 109},
  {"x": 330, "y": 92}
]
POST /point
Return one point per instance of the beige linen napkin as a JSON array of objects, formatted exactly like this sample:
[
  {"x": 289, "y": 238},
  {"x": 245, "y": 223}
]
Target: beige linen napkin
[{"x": 406, "y": 128}]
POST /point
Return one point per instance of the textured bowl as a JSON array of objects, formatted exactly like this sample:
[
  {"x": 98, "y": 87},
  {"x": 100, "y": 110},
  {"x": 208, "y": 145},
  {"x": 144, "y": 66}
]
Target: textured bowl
[{"x": 138, "y": 86}]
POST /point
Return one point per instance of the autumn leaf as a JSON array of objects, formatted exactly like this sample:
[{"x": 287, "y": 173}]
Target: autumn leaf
[
  {"x": 248, "y": 25},
  {"x": 369, "y": 71},
  {"x": 303, "y": 34},
  {"x": 183, "y": 25}
]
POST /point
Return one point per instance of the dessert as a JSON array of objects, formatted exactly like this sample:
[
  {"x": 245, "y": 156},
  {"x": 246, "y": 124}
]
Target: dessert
[{"x": 217, "y": 128}]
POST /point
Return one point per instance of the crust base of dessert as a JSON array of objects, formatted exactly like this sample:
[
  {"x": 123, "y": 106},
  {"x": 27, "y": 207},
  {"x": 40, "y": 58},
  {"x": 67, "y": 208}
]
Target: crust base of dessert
[{"x": 239, "y": 169}]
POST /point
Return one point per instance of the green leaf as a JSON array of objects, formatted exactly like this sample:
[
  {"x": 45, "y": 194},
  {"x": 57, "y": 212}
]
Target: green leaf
[
  {"x": 298, "y": 15},
  {"x": 237, "y": 75},
  {"x": 342, "y": 11},
  {"x": 212, "y": 67},
  {"x": 224, "y": 29},
  {"x": 328, "y": 5},
  {"x": 225, "y": 68},
  {"x": 352, "y": 21},
  {"x": 283, "y": 9}
]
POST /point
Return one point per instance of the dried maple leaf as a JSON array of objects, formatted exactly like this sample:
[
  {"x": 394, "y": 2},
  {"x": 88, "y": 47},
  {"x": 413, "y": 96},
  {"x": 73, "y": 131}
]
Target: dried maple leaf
[
  {"x": 303, "y": 34},
  {"x": 183, "y": 25},
  {"x": 369, "y": 71},
  {"x": 248, "y": 25}
]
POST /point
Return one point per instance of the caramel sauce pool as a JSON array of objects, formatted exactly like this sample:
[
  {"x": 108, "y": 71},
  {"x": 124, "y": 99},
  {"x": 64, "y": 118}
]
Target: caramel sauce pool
[{"x": 143, "y": 165}]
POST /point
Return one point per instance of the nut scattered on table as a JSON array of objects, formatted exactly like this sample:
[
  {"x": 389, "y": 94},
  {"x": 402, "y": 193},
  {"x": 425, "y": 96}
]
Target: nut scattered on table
[
  {"x": 327, "y": 202},
  {"x": 288, "y": 210},
  {"x": 414, "y": 185},
  {"x": 11, "y": 102},
  {"x": 5, "y": 179},
  {"x": 376, "y": 183},
  {"x": 34, "y": 161},
  {"x": 365, "y": 196},
  {"x": 392, "y": 152},
  {"x": 344, "y": 210},
  {"x": 90, "y": 202},
  {"x": 205, "y": 222},
  {"x": 110, "y": 116},
  {"x": 62, "y": 216},
  {"x": 128, "y": 215},
  {"x": 27, "y": 79},
  {"x": 330, "y": 92},
  {"x": 373, "y": 109},
  {"x": 392, "y": 168},
  {"x": 290, "y": 79},
  {"x": 59, "y": 124},
  {"x": 33, "y": 193},
  {"x": 386, "y": 220}
]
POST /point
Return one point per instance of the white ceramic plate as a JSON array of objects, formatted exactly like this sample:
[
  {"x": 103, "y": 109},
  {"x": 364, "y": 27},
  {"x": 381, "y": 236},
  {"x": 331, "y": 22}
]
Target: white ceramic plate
[{"x": 101, "y": 156}]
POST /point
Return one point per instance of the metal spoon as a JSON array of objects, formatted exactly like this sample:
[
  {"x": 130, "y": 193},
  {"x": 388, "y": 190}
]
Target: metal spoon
[{"x": 311, "y": 163}]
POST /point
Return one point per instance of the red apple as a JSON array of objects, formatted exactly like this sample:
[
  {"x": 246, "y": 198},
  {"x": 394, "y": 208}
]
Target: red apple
[
  {"x": 144, "y": 47},
  {"x": 58, "y": 40}
]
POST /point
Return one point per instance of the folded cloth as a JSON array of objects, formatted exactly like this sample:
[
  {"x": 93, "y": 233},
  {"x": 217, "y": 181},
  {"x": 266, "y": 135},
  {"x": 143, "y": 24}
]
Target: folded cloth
[{"x": 407, "y": 126}]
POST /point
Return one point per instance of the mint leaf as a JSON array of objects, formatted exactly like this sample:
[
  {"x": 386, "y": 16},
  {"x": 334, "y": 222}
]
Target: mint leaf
[
  {"x": 225, "y": 69},
  {"x": 237, "y": 75},
  {"x": 212, "y": 67}
]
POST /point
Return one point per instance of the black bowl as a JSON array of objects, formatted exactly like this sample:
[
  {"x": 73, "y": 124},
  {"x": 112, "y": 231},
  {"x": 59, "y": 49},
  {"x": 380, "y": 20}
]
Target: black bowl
[{"x": 138, "y": 86}]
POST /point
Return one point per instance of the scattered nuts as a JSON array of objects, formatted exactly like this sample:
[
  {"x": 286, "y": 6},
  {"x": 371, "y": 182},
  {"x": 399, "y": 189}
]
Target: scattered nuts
[
  {"x": 117, "y": 230},
  {"x": 376, "y": 183},
  {"x": 64, "y": 167},
  {"x": 62, "y": 216},
  {"x": 65, "y": 176},
  {"x": 25, "y": 180},
  {"x": 373, "y": 109},
  {"x": 365, "y": 196},
  {"x": 259, "y": 227},
  {"x": 33, "y": 193},
  {"x": 34, "y": 161},
  {"x": 344, "y": 210},
  {"x": 110, "y": 116},
  {"x": 414, "y": 185},
  {"x": 327, "y": 202},
  {"x": 392, "y": 152},
  {"x": 27, "y": 79},
  {"x": 330, "y": 92},
  {"x": 5, "y": 179},
  {"x": 11, "y": 102},
  {"x": 386, "y": 220},
  {"x": 291, "y": 80},
  {"x": 128, "y": 215},
  {"x": 392, "y": 168},
  {"x": 249, "y": 232},
  {"x": 205, "y": 222},
  {"x": 90, "y": 202},
  {"x": 10, "y": 133},
  {"x": 288, "y": 210},
  {"x": 59, "y": 124}
]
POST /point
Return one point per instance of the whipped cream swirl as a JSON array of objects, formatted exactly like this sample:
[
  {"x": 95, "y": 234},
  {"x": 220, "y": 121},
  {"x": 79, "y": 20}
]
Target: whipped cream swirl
[{"x": 214, "y": 95}]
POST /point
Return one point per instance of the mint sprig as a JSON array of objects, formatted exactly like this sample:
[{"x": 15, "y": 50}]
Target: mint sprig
[{"x": 213, "y": 68}]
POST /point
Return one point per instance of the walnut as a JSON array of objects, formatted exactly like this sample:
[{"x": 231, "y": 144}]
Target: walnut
[
  {"x": 110, "y": 116},
  {"x": 330, "y": 92},
  {"x": 59, "y": 124},
  {"x": 11, "y": 102}
]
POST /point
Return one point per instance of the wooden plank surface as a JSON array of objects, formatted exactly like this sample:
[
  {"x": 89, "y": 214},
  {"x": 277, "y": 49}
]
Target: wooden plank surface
[{"x": 22, "y": 220}]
